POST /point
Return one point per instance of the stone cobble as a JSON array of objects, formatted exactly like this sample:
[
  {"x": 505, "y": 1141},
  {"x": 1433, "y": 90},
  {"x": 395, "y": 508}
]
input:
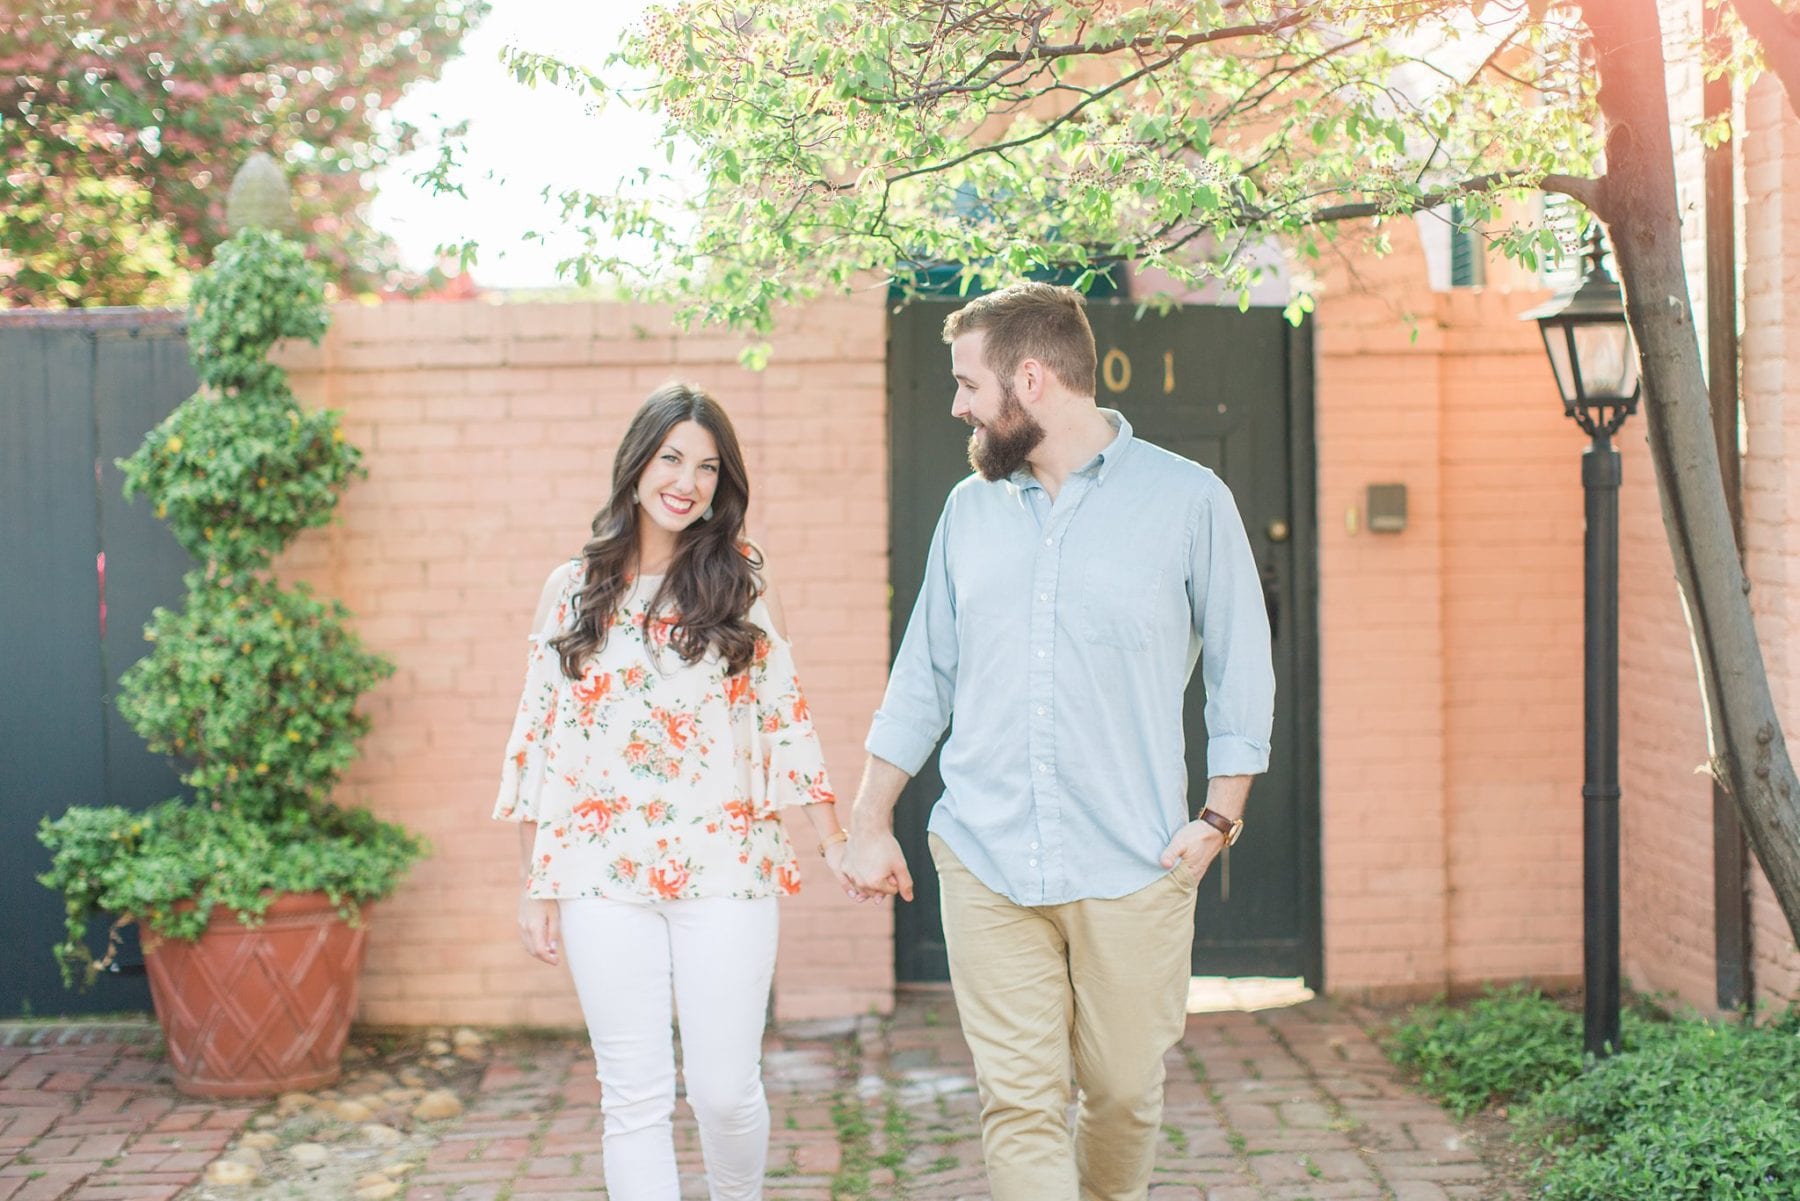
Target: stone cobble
[{"x": 1287, "y": 1104}]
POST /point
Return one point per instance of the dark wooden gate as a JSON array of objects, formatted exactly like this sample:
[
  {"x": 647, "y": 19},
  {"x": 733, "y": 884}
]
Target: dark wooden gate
[
  {"x": 82, "y": 572},
  {"x": 1230, "y": 390}
]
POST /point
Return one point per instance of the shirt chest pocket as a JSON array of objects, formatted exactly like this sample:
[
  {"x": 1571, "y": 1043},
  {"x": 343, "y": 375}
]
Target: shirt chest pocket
[{"x": 1118, "y": 601}]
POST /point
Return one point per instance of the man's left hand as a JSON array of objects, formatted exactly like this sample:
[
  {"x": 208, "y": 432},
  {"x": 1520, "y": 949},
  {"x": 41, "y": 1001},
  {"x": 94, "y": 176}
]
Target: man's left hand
[{"x": 1198, "y": 844}]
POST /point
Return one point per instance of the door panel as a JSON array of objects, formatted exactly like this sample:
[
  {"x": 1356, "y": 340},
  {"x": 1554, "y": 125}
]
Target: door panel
[{"x": 84, "y": 570}]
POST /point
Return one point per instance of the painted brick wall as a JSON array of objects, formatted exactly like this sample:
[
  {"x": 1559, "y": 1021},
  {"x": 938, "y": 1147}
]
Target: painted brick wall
[
  {"x": 1381, "y": 636},
  {"x": 490, "y": 431},
  {"x": 1513, "y": 648},
  {"x": 1667, "y": 883},
  {"x": 1666, "y": 877},
  {"x": 1771, "y": 373},
  {"x": 1451, "y": 664},
  {"x": 1451, "y": 652}
]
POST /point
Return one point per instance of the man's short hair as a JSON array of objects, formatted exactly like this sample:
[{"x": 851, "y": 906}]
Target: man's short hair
[{"x": 1032, "y": 321}]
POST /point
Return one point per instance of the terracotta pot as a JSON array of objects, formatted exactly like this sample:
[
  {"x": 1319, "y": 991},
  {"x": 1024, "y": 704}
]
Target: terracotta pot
[{"x": 252, "y": 1011}]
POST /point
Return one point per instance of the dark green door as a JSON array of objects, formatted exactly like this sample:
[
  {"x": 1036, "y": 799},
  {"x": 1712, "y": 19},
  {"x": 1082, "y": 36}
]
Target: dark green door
[
  {"x": 1230, "y": 390},
  {"x": 84, "y": 569}
]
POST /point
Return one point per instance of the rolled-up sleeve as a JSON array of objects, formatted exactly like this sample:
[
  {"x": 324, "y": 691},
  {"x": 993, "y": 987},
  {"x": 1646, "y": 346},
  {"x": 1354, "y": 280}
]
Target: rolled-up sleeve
[
  {"x": 1236, "y": 658},
  {"x": 916, "y": 708}
]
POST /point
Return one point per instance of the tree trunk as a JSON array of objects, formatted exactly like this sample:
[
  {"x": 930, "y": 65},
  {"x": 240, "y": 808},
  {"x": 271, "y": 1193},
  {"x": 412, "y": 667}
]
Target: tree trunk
[{"x": 1637, "y": 201}]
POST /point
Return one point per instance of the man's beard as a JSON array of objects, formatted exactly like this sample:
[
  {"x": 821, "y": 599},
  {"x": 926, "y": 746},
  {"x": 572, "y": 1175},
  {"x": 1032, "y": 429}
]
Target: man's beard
[{"x": 1009, "y": 440}]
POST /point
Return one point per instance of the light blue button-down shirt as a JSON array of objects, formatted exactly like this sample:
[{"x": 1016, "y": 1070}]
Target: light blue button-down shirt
[{"x": 1062, "y": 637}]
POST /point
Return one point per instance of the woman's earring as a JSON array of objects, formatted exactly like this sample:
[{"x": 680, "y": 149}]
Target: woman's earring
[
  {"x": 634, "y": 498},
  {"x": 707, "y": 516}
]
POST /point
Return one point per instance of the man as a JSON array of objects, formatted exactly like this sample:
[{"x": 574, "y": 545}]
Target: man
[{"x": 1070, "y": 587}]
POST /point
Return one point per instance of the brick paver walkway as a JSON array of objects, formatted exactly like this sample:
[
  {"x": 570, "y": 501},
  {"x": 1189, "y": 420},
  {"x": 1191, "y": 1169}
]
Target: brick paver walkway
[
  {"x": 87, "y": 1114},
  {"x": 1280, "y": 1105}
]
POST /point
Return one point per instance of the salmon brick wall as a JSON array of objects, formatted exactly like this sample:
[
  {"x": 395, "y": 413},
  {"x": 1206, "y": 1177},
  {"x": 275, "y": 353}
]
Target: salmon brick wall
[
  {"x": 489, "y": 432},
  {"x": 1667, "y": 910},
  {"x": 1451, "y": 652},
  {"x": 1771, "y": 390}
]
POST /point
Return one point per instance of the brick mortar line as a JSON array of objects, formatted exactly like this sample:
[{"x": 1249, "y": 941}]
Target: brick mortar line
[
  {"x": 1356, "y": 1129},
  {"x": 1234, "y": 1138},
  {"x": 559, "y": 1101},
  {"x": 874, "y": 1061},
  {"x": 60, "y": 1033}
]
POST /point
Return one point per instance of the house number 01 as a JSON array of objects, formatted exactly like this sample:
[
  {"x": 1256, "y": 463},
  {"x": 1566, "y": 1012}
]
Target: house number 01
[{"x": 1115, "y": 370}]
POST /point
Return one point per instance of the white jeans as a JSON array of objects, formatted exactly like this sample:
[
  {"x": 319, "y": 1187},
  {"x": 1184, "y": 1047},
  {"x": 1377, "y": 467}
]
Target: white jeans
[{"x": 719, "y": 954}]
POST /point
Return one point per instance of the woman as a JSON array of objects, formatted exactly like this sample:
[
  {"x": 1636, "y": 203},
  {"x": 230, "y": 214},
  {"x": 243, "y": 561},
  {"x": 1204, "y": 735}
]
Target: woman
[{"x": 661, "y": 731}]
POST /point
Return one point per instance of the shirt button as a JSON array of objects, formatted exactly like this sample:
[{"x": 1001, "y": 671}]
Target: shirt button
[
  {"x": 1034, "y": 846},
  {"x": 1033, "y": 862},
  {"x": 1049, "y": 542},
  {"x": 1043, "y": 767},
  {"x": 1043, "y": 596},
  {"x": 1040, "y": 710},
  {"x": 1040, "y": 654}
]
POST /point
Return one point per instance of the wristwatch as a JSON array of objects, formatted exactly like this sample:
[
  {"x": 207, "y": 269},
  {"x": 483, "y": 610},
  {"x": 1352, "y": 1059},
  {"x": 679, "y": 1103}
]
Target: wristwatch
[{"x": 1228, "y": 826}]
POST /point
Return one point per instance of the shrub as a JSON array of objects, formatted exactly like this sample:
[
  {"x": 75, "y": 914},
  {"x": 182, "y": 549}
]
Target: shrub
[
  {"x": 1689, "y": 1110},
  {"x": 251, "y": 686},
  {"x": 1706, "y": 1112},
  {"x": 1505, "y": 1045}
]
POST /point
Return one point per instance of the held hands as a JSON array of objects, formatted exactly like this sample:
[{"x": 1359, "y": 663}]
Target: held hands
[
  {"x": 1196, "y": 844},
  {"x": 874, "y": 867},
  {"x": 540, "y": 929},
  {"x": 835, "y": 854}
]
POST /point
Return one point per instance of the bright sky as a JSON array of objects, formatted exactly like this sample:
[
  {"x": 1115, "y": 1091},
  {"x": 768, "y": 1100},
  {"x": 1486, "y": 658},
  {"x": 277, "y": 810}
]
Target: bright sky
[{"x": 519, "y": 141}]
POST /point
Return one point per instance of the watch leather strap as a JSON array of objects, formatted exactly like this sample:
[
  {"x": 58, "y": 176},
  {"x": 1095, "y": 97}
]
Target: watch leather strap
[{"x": 1224, "y": 825}]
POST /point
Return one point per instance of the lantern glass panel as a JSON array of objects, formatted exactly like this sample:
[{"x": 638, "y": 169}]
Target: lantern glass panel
[
  {"x": 1556, "y": 342},
  {"x": 1608, "y": 360}
]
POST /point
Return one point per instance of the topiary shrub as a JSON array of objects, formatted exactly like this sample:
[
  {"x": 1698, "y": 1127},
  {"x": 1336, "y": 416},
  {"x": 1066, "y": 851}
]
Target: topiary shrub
[{"x": 251, "y": 686}]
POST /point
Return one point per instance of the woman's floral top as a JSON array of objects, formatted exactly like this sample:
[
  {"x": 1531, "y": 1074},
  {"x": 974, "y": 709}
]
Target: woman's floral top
[{"x": 651, "y": 778}]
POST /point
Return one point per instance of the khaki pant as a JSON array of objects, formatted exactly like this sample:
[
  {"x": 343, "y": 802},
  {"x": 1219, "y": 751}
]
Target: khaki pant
[{"x": 1100, "y": 985}]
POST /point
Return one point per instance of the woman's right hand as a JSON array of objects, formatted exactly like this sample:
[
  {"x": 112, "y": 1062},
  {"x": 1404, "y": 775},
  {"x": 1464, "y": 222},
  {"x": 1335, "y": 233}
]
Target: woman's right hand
[{"x": 540, "y": 929}]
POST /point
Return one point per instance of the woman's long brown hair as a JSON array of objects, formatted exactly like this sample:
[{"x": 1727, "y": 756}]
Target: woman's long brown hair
[{"x": 712, "y": 581}]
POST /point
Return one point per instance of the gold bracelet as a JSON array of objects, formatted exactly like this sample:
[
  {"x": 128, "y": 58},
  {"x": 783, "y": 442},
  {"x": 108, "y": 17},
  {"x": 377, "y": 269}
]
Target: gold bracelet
[{"x": 832, "y": 839}]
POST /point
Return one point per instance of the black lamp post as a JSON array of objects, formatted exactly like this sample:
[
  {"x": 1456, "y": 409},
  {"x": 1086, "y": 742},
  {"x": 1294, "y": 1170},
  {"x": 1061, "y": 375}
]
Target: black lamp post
[{"x": 1595, "y": 360}]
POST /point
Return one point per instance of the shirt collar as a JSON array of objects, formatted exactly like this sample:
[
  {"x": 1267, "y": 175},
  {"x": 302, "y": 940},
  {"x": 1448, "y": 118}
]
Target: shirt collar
[{"x": 1099, "y": 465}]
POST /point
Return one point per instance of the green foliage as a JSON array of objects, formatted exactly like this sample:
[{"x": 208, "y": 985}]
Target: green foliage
[
  {"x": 260, "y": 290},
  {"x": 1689, "y": 1110},
  {"x": 1177, "y": 136},
  {"x": 121, "y": 119},
  {"x": 1506, "y": 1045},
  {"x": 170, "y": 866},
  {"x": 239, "y": 469},
  {"x": 1708, "y": 1112},
  {"x": 251, "y": 686},
  {"x": 238, "y": 477}
]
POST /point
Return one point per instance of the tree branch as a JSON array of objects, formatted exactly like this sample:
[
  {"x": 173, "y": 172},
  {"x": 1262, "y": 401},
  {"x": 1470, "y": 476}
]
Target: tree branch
[
  {"x": 1000, "y": 148},
  {"x": 1779, "y": 33},
  {"x": 1581, "y": 188},
  {"x": 1174, "y": 44}
]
